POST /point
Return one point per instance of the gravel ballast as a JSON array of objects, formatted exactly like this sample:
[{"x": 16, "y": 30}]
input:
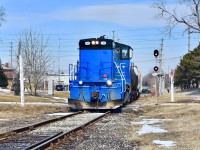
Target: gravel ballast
[{"x": 109, "y": 133}]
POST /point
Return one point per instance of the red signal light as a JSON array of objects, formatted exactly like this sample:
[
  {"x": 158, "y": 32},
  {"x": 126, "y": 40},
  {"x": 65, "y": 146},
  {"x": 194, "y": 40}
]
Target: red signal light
[
  {"x": 155, "y": 68},
  {"x": 156, "y": 53}
]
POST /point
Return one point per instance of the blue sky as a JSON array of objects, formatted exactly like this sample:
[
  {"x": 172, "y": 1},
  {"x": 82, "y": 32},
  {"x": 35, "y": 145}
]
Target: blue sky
[{"x": 72, "y": 20}]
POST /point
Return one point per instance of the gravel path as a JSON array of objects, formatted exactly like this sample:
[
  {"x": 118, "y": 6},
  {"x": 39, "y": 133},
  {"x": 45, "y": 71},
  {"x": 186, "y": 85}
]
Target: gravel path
[{"x": 108, "y": 134}]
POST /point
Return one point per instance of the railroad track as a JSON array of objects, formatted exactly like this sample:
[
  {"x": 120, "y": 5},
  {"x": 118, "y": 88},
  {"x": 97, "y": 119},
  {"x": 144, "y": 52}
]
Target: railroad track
[{"x": 48, "y": 135}]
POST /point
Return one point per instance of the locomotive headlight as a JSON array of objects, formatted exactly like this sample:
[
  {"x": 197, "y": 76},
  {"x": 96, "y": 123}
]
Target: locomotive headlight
[
  {"x": 103, "y": 42},
  {"x": 87, "y": 43},
  {"x": 80, "y": 82},
  {"x": 97, "y": 42},
  {"x": 93, "y": 42},
  {"x": 109, "y": 82}
]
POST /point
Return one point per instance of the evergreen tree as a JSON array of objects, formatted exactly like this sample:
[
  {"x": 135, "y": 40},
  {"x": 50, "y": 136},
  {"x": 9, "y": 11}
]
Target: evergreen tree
[
  {"x": 3, "y": 78},
  {"x": 188, "y": 71}
]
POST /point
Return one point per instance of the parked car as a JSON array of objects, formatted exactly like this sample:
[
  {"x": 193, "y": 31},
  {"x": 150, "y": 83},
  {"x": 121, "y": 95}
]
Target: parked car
[
  {"x": 59, "y": 87},
  {"x": 145, "y": 91}
]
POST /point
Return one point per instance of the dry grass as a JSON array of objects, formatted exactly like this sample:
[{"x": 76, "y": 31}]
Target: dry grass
[
  {"x": 8, "y": 97},
  {"x": 184, "y": 129},
  {"x": 62, "y": 94},
  {"x": 165, "y": 98},
  {"x": 17, "y": 112}
]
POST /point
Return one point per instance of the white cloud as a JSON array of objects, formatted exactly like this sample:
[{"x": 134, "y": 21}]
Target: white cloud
[{"x": 130, "y": 15}]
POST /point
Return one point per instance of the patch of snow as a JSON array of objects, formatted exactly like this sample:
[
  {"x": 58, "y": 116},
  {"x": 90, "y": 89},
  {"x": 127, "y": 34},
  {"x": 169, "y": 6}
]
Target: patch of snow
[
  {"x": 142, "y": 116},
  {"x": 196, "y": 98},
  {"x": 4, "y": 90},
  {"x": 150, "y": 121},
  {"x": 193, "y": 93},
  {"x": 56, "y": 97},
  {"x": 4, "y": 119},
  {"x": 59, "y": 98},
  {"x": 150, "y": 129},
  {"x": 59, "y": 114},
  {"x": 164, "y": 143},
  {"x": 146, "y": 128}
]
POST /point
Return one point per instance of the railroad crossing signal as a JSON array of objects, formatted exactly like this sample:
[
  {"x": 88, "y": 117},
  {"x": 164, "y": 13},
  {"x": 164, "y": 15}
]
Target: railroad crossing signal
[
  {"x": 155, "y": 68},
  {"x": 156, "y": 53}
]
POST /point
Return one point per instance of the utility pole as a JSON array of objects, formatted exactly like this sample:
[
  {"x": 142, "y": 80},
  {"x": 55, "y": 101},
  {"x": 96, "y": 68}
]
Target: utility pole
[
  {"x": 113, "y": 35},
  {"x": 21, "y": 71},
  {"x": 161, "y": 77},
  {"x": 59, "y": 62},
  {"x": 11, "y": 51},
  {"x": 188, "y": 38}
]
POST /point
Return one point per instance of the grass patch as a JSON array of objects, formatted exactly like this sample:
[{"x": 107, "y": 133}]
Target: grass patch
[
  {"x": 16, "y": 111},
  {"x": 7, "y": 97},
  {"x": 179, "y": 97},
  {"x": 184, "y": 129},
  {"x": 62, "y": 94}
]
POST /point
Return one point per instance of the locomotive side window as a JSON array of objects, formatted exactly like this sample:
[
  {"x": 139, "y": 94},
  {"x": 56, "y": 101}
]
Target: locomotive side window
[{"x": 117, "y": 53}]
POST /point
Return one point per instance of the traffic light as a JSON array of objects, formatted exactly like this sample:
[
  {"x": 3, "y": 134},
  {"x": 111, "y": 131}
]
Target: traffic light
[
  {"x": 156, "y": 53},
  {"x": 155, "y": 68}
]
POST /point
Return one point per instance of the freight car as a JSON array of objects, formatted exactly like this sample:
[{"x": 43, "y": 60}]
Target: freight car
[{"x": 104, "y": 76}]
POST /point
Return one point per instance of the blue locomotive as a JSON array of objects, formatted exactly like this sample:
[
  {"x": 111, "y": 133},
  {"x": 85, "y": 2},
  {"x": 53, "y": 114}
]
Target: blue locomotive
[{"x": 104, "y": 77}]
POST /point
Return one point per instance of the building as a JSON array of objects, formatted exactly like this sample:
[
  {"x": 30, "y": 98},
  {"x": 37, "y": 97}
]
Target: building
[
  {"x": 9, "y": 72},
  {"x": 64, "y": 79}
]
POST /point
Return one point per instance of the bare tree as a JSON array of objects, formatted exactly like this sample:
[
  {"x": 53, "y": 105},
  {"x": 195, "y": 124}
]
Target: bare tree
[
  {"x": 148, "y": 80},
  {"x": 2, "y": 15},
  {"x": 189, "y": 14},
  {"x": 36, "y": 58}
]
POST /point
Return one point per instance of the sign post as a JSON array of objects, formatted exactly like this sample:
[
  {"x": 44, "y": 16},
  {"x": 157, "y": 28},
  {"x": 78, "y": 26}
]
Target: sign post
[
  {"x": 51, "y": 88},
  {"x": 21, "y": 79},
  {"x": 155, "y": 75},
  {"x": 172, "y": 84}
]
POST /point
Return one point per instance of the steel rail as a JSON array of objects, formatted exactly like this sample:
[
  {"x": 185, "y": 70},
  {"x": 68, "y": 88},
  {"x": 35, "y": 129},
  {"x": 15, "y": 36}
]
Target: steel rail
[
  {"x": 32, "y": 127},
  {"x": 43, "y": 141},
  {"x": 66, "y": 135}
]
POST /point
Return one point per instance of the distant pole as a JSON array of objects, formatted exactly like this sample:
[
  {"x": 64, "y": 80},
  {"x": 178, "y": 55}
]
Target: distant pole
[
  {"x": 21, "y": 75},
  {"x": 11, "y": 51},
  {"x": 59, "y": 63},
  {"x": 113, "y": 35},
  {"x": 188, "y": 38},
  {"x": 161, "y": 78}
]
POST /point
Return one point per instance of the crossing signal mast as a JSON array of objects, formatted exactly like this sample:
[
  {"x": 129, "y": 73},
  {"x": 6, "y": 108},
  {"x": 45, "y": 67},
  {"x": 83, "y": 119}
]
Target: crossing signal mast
[
  {"x": 158, "y": 71},
  {"x": 156, "y": 53},
  {"x": 155, "y": 68}
]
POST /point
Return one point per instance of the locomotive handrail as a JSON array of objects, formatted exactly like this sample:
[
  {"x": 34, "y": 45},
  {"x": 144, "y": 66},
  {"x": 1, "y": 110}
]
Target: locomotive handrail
[
  {"x": 73, "y": 69},
  {"x": 71, "y": 72},
  {"x": 120, "y": 73},
  {"x": 124, "y": 79}
]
